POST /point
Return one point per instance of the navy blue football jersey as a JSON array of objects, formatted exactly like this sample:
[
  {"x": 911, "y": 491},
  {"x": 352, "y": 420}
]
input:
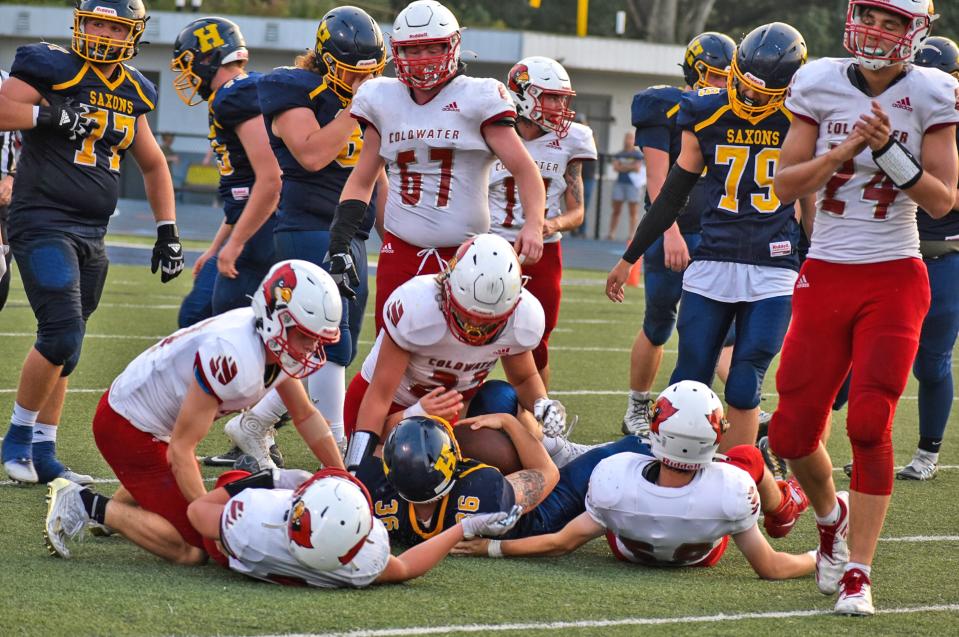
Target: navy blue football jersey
[
  {"x": 230, "y": 105},
  {"x": 745, "y": 221},
  {"x": 942, "y": 229},
  {"x": 479, "y": 488},
  {"x": 654, "y": 114},
  {"x": 74, "y": 185},
  {"x": 308, "y": 199}
]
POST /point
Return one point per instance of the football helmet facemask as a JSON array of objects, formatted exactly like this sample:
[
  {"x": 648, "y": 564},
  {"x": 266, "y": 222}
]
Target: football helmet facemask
[
  {"x": 542, "y": 92},
  {"x": 876, "y": 48},
  {"x": 707, "y": 59},
  {"x": 687, "y": 426},
  {"x": 349, "y": 42},
  {"x": 481, "y": 289},
  {"x": 330, "y": 517},
  {"x": 201, "y": 48},
  {"x": 297, "y": 296},
  {"x": 939, "y": 53},
  {"x": 421, "y": 24},
  {"x": 102, "y": 49},
  {"x": 421, "y": 458},
  {"x": 764, "y": 64}
]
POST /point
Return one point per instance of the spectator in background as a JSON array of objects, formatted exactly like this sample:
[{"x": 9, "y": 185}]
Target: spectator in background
[
  {"x": 172, "y": 159},
  {"x": 9, "y": 149},
  {"x": 194, "y": 5},
  {"x": 630, "y": 180}
]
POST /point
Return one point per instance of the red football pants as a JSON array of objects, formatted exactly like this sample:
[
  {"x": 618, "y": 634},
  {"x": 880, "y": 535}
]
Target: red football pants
[
  {"x": 399, "y": 262},
  {"x": 864, "y": 316},
  {"x": 139, "y": 461},
  {"x": 545, "y": 284}
]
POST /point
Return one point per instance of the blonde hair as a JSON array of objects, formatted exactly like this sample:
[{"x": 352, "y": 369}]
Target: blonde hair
[{"x": 310, "y": 61}]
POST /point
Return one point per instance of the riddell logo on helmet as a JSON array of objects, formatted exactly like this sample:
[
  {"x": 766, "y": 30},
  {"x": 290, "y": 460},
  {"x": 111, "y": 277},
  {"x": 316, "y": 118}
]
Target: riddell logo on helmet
[
  {"x": 755, "y": 80},
  {"x": 417, "y": 35},
  {"x": 105, "y": 11}
]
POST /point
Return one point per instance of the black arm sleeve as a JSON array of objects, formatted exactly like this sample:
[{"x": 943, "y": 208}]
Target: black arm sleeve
[
  {"x": 664, "y": 211},
  {"x": 346, "y": 220},
  {"x": 260, "y": 480}
]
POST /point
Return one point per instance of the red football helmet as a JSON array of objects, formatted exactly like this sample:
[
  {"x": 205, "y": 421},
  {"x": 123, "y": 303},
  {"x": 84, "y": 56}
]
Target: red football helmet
[{"x": 876, "y": 48}]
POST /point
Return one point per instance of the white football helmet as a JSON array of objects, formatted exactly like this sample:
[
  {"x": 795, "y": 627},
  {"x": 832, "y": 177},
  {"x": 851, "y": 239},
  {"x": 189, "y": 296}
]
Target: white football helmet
[
  {"x": 330, "y": 518},
  {"x": 534, "y": 78},
  {"x": 886, "y": 48},
  {"x": 481, "y": 289},
  {"x": 687, "y": 425},
  {"x": 425, "y": 22},
  {"x": 298, "y": 295}
]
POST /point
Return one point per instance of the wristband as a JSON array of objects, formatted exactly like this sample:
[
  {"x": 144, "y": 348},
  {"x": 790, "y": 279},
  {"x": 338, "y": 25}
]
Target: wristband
[
  {"x": 898, "y": 164},
  {"x": 362, "y": 444},
  {"x": 494, "y": 548},
  {"x": 416, "y": 409},
  {"x": 259, "y": 480},
  {"x": 167, "y": 230},
  {"x": 36, "y": 115}
]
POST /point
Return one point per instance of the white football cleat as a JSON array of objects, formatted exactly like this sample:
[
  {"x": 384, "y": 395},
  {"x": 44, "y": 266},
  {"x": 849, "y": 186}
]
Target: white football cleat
[
  {"x": 855, "y": 594},
  {"x": 252, "y": 437},
  {"x": 79, "y": 478},
  {"x": 636, "y": 420},
  {"x": 66, "y": 517},
  {"x": 832, "y": 554},
  {"x": 923, "y": 466}
]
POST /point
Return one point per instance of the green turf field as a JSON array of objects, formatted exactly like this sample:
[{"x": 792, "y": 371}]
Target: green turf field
[{"x": 112, "y": 588}]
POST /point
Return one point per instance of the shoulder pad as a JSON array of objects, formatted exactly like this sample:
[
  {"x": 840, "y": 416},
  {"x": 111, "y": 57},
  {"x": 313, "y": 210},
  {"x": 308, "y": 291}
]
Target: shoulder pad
[
  {"x": 740, "y": 497},
  {"x": 605, "y": 480},
  {"x": 693, "y": 107},
  {"x": 364, "y": 100},
  {"x": 236, "y": 102},
  {"x": 44, "y": 65},
  {"x": 528, "y": 321},
  {"x": 412, "y": 314},
  {"x": 226, "y": 372},
  {"x": 484, "y": 482},
  {"x": 583, "y": 144},
  {"x": 492, "y": 98},
  {"x": 146, "y": 85},
  {"x": 651, "y": 106},
  {"x": 285, "y": 88}
]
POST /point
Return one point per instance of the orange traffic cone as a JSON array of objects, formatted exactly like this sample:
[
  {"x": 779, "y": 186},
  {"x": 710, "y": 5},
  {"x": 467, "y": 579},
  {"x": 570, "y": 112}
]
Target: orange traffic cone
[{"x": 635, "y": 274}]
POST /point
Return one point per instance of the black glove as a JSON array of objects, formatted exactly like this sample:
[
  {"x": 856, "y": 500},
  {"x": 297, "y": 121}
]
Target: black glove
[
  {"x": 167, "y": 253},
  {"x": 68, "y": 116},
  {"x": 343, "y": 272}
]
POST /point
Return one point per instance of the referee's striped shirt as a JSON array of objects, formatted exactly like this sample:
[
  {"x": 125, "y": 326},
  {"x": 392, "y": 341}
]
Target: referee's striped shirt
[{"x": 9, "y": 145}]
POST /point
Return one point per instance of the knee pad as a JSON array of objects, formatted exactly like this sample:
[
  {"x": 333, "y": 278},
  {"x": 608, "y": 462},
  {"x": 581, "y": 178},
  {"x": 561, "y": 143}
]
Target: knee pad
[
  {"x": 60, "y": 344},
  {"x": 744, "y": 385},
  {"x": 932, "y": 367},
  {"x": 796, "y": 429},
  {"x": 494, "y": 397},
  {"x": 342, "y": 352},
  {"x": 869, "y": 427},
  {"x": 658, "y": 324},
  {"x": 540, "y": 355}
]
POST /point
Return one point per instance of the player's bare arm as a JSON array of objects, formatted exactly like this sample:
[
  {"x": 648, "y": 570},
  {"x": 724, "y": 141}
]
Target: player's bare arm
[
  {"x": 205, "y": 512},
  {"x": 390, "y": 366},
  {"x": 156, "y": 172},
  {"x": 193, "y": 422},
  {"x": 940, "y": 164},
  {"x": 310, "y": 423},
  {"x": 506, "y": 144},
  {"x": 572, "y": 217},
  {"x": 264, "y": 196},
  {"x": 17, "y": 99},
  {"x": 313, "y": 146},
  {"x": 522, "y": 375},
  {"x": 581, "y": 530},
  {"x": 222, "y": 233},
  {"x": 801, "y": 172},
  {"x": 382, "y": 192},
  {"x": 768, "y": 562}
]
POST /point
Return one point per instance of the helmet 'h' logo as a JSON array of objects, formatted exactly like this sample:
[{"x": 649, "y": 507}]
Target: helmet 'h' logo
[
  {"x": 208, "y": 37},
  {"x": 322, "y": 32},
  {"x": 446, "y": 462}
]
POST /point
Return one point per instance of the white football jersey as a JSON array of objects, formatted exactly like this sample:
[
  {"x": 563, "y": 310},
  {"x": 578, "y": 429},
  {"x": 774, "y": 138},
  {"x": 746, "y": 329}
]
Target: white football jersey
[
  {"x": 437, "y": 159},
  {"x": 225, "y": 349},
  {"x": 416, "y": 322},
  {"x": 254, "y": 536},
  {"x": 670, "y": 526},
  {"x": 861, "y": 216},
  {"x": 551, "y": 155}
]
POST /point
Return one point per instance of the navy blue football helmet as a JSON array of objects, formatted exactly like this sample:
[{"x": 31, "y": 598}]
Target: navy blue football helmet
[
  {"x": 764, "y": 64},
  {"x": 130, "y": 14},
  {"x": 707, "y": 60},
  {"x": 201, "y": 48},
  {"x": 349, "y": 41},
  {"x": 421, "y": 458},
  {"x": 939, "y": 53}
]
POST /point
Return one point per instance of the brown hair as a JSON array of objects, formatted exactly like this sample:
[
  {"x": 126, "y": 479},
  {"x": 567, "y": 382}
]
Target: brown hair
[{"x": 310, "y": 61}]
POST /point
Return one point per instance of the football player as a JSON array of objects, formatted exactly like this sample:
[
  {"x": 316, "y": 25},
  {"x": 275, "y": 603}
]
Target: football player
[
  {"x": 209, "y": 57},
  {"x": 423, "y": 485},
  {"x": 541, "y": 91},
  {"x": 705, "y": 64},
  {"x": 320, "y": 532},
  {"x": 676, "y": 508},
  {"x": 747, "y": 261},
  {"x": 149, "y": 422},
  {"x": 874, "y": 137},
  {"x": 80, "y": 111},
  {"x": 438, "y": 131},
  {"x": 449, "y": 331}
]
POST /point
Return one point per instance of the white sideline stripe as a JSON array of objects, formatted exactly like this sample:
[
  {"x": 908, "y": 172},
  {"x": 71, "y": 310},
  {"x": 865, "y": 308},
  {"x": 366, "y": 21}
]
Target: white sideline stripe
[
  {"x": 605, "y": 623},
  {"x": 128, "y": 337},
  {"x": 922, "y": 538}
]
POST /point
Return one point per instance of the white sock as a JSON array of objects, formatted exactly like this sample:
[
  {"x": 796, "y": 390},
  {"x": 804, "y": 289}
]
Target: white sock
[
  {"x": 832, "y": 518},
  {"x": 327, "y": 388},
  {"x": 44, "y": 433},
  {"x": 639, "y": 395},
  {"x": 23, "y": 417},
  {"x": 862, "y": 567},
  {"x": 269, "y": 409}
]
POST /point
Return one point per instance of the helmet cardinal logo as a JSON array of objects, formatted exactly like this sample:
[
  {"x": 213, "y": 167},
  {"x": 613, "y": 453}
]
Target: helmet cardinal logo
[
  {"x": 718, "y": 423},
  {"x": 518, "y": 78},
  {"x": 663, "y": 412},
  {"x": 278, "y": 289},
  {"x": 300, "y": 526}
]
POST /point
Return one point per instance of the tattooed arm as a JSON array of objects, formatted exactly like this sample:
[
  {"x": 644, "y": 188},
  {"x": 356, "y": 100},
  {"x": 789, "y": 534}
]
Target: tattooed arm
[{"x": 573, "y": 198}]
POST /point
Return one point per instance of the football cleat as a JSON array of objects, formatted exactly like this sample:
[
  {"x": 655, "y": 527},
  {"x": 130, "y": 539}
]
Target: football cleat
[
  {"x": 79, "y": 478},
  {"x": 765, "y": 417},
  {"x": 100, "y": 530},
  {"x": 847, "y": 469},
  {"x": 562, "y": 451},
  {"x": 17, "y": 454},
  {"x": 636, "y": 419},
  {"x": 777, "y": 466},
  {"x": 780, "y": 522},
  {"x": 252, "y": 437},
  {"x": 855, "y": 594},
  {"x": 229, "y": 458},
  {"x": 66, "y": 517},
  {"x": 923, "y": 466},
  {"x": 832, "y": 554}
]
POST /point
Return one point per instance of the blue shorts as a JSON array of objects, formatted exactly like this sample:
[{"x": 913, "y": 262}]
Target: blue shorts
[
  {"x": 625, "y": 192},
  {"x": 663, "y": 289}
]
